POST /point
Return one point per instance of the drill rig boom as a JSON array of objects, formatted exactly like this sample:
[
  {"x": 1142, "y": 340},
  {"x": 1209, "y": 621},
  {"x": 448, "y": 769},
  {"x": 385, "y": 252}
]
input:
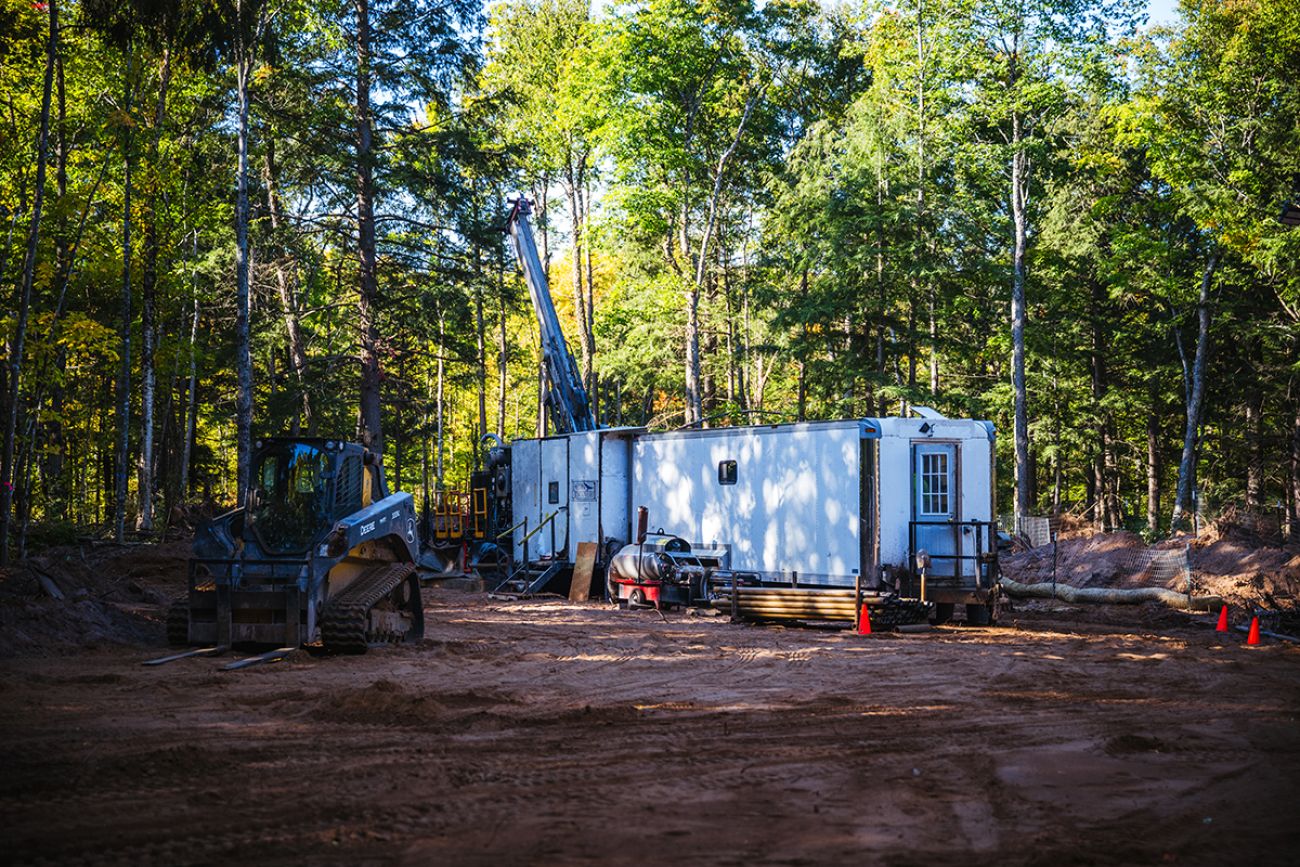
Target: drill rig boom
[{"x": 566, "y": 397}]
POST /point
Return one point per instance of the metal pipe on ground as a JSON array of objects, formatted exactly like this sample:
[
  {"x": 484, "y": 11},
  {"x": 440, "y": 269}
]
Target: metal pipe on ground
[
  {"x": 847, "y": 604},
  {"x": 777, "y": 600},
  {"x": 1278, "y": 635},
  {"x": 846, "y": 613},
  {"x": 797, "y": 594}
]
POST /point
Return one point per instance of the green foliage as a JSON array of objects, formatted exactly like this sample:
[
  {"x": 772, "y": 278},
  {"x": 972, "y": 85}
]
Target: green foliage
[{"x": 828, "y": 187}]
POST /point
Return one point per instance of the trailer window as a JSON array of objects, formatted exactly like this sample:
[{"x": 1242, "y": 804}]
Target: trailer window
[
  {"x": 553, "y": 493},
  {"x": 934, "y": 483},
  {"x": 726, "y": 472}
]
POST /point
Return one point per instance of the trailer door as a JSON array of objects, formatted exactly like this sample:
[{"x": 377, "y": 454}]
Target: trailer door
[
  {"x": 553, "y": 540},
  {"x": 934, "y": 505}
]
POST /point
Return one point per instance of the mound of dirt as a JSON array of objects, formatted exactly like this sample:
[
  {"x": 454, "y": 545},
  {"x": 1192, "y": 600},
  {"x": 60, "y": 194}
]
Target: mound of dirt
[
  {"x": 1227, "y": 561},
  {"x": 110, "y": 594},
  {"x": 1232, "y": 562},
  {"x": 385, "y": 702}
]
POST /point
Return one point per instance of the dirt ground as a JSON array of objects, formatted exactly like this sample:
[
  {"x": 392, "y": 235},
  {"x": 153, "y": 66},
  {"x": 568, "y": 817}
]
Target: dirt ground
[{"x": 542, "y": 732}]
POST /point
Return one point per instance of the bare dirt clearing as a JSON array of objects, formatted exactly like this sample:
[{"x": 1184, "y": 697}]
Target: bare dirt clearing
[{"x": 543, "y": 732}]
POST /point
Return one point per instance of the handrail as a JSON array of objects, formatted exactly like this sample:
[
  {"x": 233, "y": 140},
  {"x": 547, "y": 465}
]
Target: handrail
[
  {"x": 540, "y": 525},
  {"x": 505, "y": 533},
  {"x": 524, "y": 523}
]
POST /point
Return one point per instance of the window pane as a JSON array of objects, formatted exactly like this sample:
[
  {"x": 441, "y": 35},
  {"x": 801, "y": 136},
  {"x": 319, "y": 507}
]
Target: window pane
[{"x": 934, "y": 483}]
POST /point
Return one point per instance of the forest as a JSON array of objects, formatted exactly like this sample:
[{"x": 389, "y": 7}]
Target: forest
[{"x": 226, "y": 219}]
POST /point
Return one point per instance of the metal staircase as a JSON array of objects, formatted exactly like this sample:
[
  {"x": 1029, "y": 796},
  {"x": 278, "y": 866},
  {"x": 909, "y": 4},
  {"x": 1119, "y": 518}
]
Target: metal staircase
[{"x": 530, "y": 578}]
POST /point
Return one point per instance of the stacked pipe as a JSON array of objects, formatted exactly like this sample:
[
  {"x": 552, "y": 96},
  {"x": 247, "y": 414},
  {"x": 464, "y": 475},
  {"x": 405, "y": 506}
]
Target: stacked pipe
[{"x": 790, "y": 603}]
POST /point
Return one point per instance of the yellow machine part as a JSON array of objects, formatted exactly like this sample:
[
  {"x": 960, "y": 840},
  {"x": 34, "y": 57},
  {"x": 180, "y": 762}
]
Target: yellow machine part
[{"x": 358, "y": 561}]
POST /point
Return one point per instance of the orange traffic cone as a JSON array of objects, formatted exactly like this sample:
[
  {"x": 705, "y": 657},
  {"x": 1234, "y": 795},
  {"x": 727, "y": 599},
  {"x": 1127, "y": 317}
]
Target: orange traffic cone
[
  {"x": 864, "y": 622},
  {"x": 1252, "y": 638},
  {"x": 1223, "y": 620}
]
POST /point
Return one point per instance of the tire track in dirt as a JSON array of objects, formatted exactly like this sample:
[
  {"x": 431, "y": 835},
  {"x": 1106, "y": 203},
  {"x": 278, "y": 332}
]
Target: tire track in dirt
[{"x": 571, "y": 734}]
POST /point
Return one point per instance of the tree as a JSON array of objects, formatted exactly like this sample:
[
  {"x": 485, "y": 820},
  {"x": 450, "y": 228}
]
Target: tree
[
  {"x": 545, "y": 68},
  {"x": 690, "y": 116},
  {"x": 1028, "y": 48},
  {"x": 1219, "y": 115},
  {"x": 16, "y": 345}
]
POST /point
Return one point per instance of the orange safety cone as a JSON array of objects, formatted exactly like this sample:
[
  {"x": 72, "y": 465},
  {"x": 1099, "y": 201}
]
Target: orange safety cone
[
  {"x": 1252, "y": 638},
  {"x": 864, "y": 622},
  {"x": 1223, "y": 620}
]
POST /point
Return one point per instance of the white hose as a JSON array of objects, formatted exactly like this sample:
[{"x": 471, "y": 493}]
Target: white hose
[{"x": 1111, "y": 596}]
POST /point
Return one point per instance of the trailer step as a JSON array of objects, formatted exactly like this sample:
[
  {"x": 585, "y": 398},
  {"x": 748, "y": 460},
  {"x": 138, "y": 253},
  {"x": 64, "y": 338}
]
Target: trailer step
[
  {"x": 269, "y": 656},
  {"x": 198, "y": 651},
  {"x": 530, "y": 580}
]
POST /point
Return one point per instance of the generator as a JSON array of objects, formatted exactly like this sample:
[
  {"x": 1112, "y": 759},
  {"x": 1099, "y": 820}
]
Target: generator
[{"x": 660, "y": 570}]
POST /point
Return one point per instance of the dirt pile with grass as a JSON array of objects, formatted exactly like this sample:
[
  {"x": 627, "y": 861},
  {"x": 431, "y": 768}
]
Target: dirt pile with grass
[{"x": 1227, "y": 560}]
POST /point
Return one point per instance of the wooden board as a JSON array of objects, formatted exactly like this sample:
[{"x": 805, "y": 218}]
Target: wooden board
[{"x": 580, "y": 586}]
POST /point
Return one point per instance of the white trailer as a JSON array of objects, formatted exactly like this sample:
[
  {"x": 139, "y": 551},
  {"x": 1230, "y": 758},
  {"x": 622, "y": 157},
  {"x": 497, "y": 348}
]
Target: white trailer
[
  {"x": 816, "y": 503},
  {"x": 569, "y": 489}
]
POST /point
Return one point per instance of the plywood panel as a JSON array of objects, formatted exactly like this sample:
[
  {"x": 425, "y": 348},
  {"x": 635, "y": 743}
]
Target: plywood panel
[{"x": 580, "y": 587}]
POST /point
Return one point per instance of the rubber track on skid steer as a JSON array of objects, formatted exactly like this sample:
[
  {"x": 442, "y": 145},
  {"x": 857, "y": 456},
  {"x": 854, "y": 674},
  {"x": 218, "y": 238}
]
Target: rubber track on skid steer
[{"x": 347, "y": 616}]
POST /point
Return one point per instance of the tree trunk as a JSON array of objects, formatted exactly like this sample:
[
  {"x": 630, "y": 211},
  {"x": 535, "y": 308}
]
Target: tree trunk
[
  {"x": 1153, "y": 463},
  {"x": 709, "y": 349},
  {"x": 542, "y": 385},
  {"x": 243, "y": 356},
  {"x": 480, "y": 335},
  {"x": 732, "y": 377},
  {"x": 371, "y": 432},
  {"x": 480, "y": 358},
  {"x": 16, "y": 346},
  {"x": 911, "y": 337},
  {"x": 880, "y": 281},
  {"x": 440, "y": 396},
  {"x": 399, "y": 425},
  {"x": 801, "y": 396},
  {"x": 56, "y": 486},
  {"x": 23, "y": 504},
  {"x": 1019, "y": 189},
  {"x": 190, "y": 401},
  {"x": 694, "y": 403},
  {"x": 288, "y": 303},
  {"x": 1185, "y": 492},
  {"x": 934, "y": 348},
  {"x": 148, "y": 284},
  {"x": 1255, "y": 449},
  {"x": 1293, "y": 515},
  {"x": 572, "y": 192},
  {"x": 1097, "y": 365},
  {"x": 124, "y": 375},
  {"x": 920, "y": 193},
  {"x": 502, "y": 346}
]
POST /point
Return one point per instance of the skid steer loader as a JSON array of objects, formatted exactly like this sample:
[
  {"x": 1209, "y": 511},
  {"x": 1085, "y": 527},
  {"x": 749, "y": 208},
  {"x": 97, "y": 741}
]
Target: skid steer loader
[{"x": 321, "y": 554}]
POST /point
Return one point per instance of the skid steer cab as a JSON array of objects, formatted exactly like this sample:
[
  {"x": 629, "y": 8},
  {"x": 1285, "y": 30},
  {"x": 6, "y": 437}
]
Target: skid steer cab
[{"x": 320, "y": 554}]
